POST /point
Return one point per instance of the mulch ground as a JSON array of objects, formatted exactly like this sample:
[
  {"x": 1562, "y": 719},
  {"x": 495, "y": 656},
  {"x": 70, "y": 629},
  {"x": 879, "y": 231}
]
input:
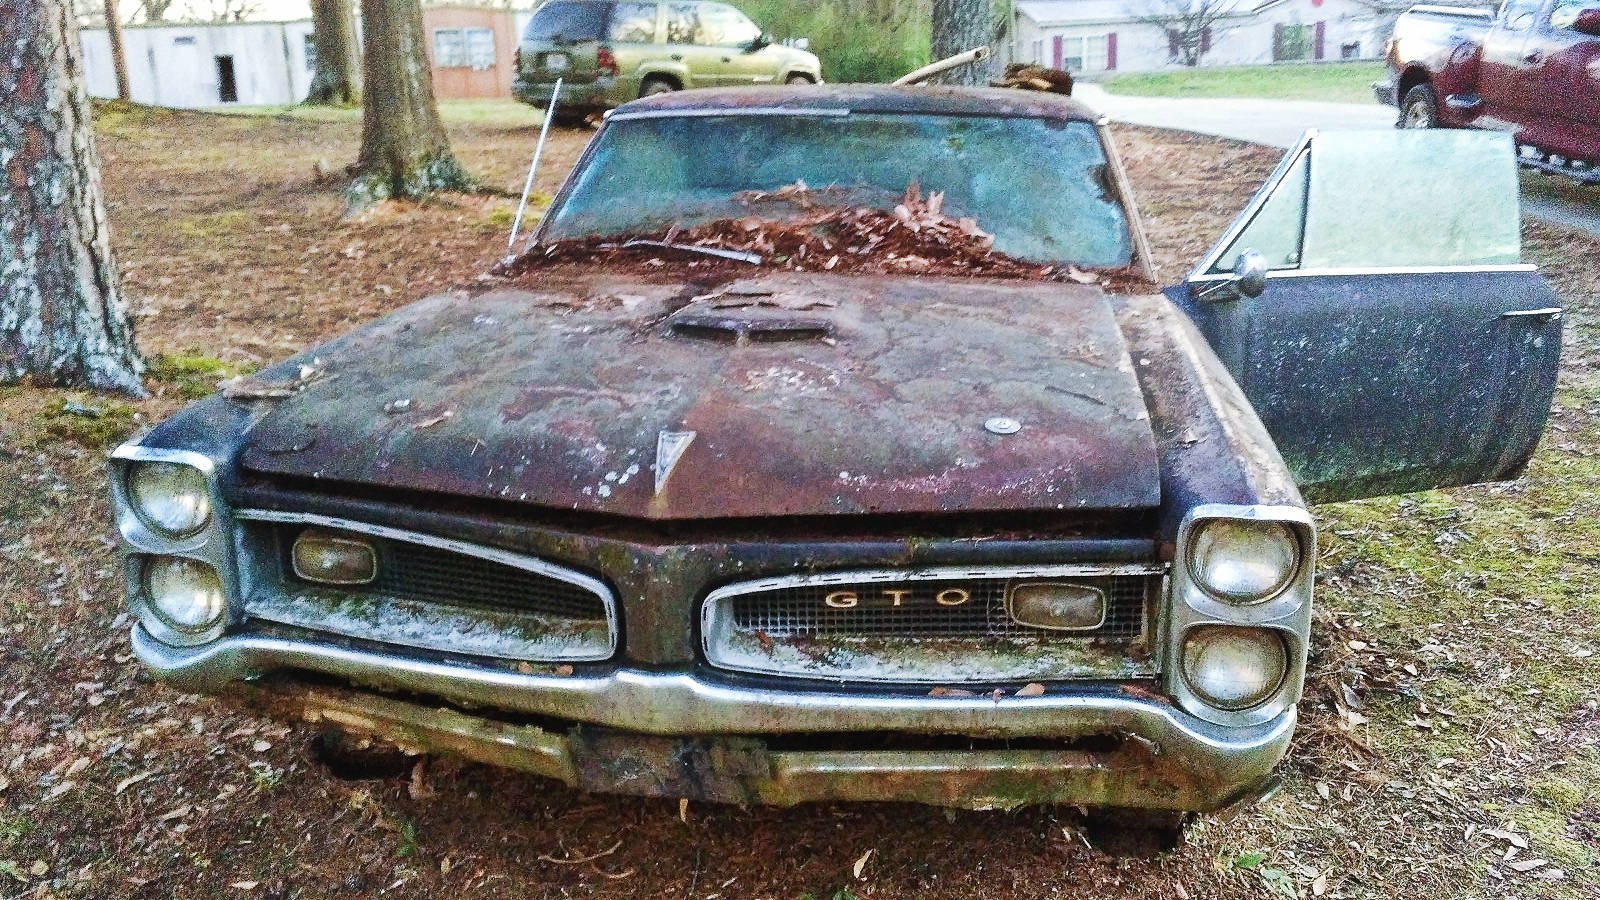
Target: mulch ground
[{"x": 111, "y": 785}]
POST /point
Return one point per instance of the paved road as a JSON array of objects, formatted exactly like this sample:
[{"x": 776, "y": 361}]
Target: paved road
[{"x": 1279, "y": 123}]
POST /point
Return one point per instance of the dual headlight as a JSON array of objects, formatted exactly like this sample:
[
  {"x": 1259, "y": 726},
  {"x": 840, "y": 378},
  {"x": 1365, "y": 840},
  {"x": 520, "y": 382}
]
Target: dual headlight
[
  {"x": 1242, "y": 566},
  {"x": 181, "y": 598}
]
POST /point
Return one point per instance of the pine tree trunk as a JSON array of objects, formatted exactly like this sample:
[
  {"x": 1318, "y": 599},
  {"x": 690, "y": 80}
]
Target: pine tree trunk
[
  {"x": 119, "y": 60},
  {"x": 337, "y": 79},
  {"x": 62, "y": 319},
  {"x": 958, "y": 26},
  {"x": 404, "y": 150}
]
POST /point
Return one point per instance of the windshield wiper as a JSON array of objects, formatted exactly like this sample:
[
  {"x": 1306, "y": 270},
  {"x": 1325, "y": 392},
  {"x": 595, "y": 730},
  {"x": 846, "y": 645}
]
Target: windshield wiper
[{"x": 718, "y": 252}]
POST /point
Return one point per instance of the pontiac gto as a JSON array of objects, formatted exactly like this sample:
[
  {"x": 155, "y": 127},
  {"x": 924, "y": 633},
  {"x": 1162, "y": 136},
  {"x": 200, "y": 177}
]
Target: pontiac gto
[{"x": 658, "y": 514}]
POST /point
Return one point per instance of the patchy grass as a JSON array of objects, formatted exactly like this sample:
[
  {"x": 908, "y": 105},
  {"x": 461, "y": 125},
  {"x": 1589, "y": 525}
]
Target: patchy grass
[
  {"x": 1331, "y": 82},
  {"x": 497, "y": 113},
  {"x": 1453, "y": 704},
  {"x": 90, "y": 421}
]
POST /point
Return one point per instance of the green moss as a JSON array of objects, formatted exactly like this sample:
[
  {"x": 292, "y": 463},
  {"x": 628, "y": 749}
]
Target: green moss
[
  {"x": 215, "y": 225},
  {"x": 193, "y": 373},
  {"x": 95, "y": 423}
]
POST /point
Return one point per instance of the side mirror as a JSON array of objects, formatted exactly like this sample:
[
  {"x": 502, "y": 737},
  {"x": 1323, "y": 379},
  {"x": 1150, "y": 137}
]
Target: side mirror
[
  {"x": 1250, "y": 274},
  {"x": 1249, "y": 279},
  {"x": 803, "y": 43},
  {"x": 761, "y": 42},
  {"x": 1588, "y": 22}
]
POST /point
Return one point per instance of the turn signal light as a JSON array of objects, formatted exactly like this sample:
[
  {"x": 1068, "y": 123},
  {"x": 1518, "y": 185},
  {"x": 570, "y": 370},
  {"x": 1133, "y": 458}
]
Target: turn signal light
[
  {"x": 328, "y": 557},
  {"x": 607, "y": 61},
  {"x": 1060, "y": 606}
]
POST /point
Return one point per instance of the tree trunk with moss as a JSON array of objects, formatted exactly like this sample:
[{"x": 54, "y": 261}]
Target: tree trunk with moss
[
  {"x": 958, "y": 26},
  {"x": 404, "y": 150},
  {"x": 62, "y": 319},
  {"x": 337, "y": 78}
]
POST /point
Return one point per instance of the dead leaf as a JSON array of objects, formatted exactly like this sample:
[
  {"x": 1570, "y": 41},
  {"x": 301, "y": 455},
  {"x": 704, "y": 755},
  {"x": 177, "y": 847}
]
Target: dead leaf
[
  {"x": 861, "y": 864},
  {"x": 1528, "y": 865},
  {"x": 950, "y": 692},
  {"x": 1032, "y": 689},
  {"x": 683, "y": 810},
  {"x": 129, "y": 782}
]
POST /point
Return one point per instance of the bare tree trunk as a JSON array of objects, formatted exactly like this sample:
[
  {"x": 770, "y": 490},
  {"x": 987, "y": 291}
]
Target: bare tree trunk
[
  {"x": 960, "y": 25},
  {"x": 337, "y": 79},
  {"x": 119, "y": 61},
  {"x": 62, "y": 319},
  {"x": 404, "y": 150}
]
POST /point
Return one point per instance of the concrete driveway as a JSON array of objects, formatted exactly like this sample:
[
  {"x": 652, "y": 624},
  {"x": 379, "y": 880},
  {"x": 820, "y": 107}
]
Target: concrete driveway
[{"x": 1279, "y": 123}]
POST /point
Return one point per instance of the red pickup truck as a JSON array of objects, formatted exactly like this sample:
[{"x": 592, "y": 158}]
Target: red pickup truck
[{"x": 1532, "y": 69}]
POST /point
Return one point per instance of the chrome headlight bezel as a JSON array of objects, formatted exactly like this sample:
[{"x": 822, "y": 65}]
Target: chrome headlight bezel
[
  {"x": 1286, "y": 610},
  {"x": 211, "y": 543}
]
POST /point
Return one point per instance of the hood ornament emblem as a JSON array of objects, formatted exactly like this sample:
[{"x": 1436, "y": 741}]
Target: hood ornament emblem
[{"x": 669, "y": 449}]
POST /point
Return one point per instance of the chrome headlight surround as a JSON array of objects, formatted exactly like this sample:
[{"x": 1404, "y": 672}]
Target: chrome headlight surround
[
  {"x": 211, "y": 543},
  {"x": 1285, "y": 610}
]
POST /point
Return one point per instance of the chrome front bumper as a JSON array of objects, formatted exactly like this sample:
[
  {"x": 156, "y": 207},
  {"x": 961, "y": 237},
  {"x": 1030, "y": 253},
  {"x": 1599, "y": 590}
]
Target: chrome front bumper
[{"x": 678, "y": 733}]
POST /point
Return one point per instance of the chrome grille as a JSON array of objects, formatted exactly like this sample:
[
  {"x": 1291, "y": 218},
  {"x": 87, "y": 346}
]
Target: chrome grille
[
  {"x": 897, "y": 630},
  {"x": 802, "y": 610},
  {"x": 435, "y": 594}
]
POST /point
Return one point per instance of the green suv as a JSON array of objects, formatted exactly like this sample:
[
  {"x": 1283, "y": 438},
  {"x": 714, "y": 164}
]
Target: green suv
[{"x": 608, "y": 52}]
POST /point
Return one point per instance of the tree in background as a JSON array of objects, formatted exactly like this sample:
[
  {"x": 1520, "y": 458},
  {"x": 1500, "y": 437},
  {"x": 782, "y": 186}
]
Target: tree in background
[
  {"x": 960, "y": 25},
  {"x": 1190, "y": 25},
  {"x": 404, "y": 150},
  {"x": 857, "y": 40},
  {"x": 62, "y": 318},
  {"x": 155, "y": 10},
  {"x": 119, "y": 59},
  {"x": 337, "y": 77}
]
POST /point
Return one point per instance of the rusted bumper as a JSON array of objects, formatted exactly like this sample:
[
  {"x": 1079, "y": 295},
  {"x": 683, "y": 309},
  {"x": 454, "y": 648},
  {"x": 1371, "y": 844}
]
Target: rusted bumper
[{"x": 679, "y": 734}]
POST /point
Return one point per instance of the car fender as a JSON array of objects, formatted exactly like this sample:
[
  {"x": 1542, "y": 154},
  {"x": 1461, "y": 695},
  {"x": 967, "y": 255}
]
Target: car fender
[{"x": 679, "y": 72}]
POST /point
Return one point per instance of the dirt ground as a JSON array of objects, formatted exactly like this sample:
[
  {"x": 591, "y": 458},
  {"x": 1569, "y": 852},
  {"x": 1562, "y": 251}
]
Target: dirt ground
[{"x": 1451, "y": 738}]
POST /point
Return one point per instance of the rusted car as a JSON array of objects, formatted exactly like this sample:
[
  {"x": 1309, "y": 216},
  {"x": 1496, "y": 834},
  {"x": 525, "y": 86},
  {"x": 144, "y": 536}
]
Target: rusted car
[{"x": 725, "y": 490}]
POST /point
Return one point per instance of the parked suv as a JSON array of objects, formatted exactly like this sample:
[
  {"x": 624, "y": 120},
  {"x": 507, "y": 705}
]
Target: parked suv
[{"x": 608, "y": 52}]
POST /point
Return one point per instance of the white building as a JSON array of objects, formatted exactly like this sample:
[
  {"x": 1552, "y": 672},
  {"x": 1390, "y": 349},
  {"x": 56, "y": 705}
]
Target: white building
[
  {"x": 205, "y": 64},
  {"x": 1097, "y": 36}
]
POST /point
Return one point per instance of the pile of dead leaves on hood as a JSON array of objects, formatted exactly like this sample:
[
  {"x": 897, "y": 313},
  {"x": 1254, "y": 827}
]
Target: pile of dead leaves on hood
[{"x": 817, "y": 233}]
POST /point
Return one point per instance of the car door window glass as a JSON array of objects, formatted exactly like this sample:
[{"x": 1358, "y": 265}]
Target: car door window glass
[
  {"x": 633, "y": 23},
  {"x": 1278, "y": 228},
  {"x": 683, "y": 21},
  {"x": 1520, "y": 15},
  {"x": 1566, "y": 12},
  {"x": 724, "y": 26}
]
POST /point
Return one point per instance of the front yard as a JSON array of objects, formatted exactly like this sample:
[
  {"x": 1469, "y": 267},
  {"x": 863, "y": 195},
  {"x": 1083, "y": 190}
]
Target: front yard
[
  {"x": 1449, "y": 746},
  {"x": 1341, "y": 82}
]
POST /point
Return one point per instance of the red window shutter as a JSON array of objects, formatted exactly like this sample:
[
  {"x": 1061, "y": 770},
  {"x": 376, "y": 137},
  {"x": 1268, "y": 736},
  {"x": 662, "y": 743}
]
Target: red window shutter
[
  {"x": 1055, "y": 52},
  {"x": 1111, "y": 51},
  {"x": 1322, "y": 28},
  {"x": 1174, "y": 42},
  {"x": 1205, "y": 39}
]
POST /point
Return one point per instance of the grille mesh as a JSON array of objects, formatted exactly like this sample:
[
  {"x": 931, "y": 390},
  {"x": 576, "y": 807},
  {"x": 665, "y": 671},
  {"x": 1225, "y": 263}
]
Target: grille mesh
[
  {"x": 800, "y": 610},
  {"x": 408, "y": 571}
]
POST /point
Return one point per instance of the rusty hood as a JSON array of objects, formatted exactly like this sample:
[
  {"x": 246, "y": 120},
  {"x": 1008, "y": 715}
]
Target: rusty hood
[{"x": 786, "y": 395}]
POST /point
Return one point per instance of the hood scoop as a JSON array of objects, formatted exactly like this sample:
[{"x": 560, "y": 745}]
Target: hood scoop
[{"x": 749, "y": 326}]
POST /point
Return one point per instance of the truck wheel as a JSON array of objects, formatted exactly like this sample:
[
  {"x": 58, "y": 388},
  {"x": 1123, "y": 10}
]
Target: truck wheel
[
  {"x": 1420, "y": 108},
  {"x": 653, "y": 86},
  {"x": 798, "y": 79}
]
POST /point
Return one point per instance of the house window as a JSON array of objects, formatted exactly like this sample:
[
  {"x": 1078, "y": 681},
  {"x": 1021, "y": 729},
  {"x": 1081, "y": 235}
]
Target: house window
[
  {"x": 1085, "y": 53},
  {"x": 1352, "y": 50},
  {"x": 311, "y": 53},
  {"x": 1038, "y": 52},
  {"x": 463, "y": 48}
]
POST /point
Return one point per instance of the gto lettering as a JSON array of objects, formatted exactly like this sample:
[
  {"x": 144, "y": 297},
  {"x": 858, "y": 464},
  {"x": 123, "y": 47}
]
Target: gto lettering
[
  {"x": 896, "y": 596},
  {"x": 952, "y": 597},
  {"x": 841, "y": 599}
]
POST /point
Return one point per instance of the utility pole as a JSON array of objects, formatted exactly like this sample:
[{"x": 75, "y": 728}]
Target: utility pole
[{"x": 119, "y": 60}]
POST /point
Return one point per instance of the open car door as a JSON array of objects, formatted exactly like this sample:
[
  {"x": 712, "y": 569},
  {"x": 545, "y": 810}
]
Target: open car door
[{"x": 1396, "y": 341}]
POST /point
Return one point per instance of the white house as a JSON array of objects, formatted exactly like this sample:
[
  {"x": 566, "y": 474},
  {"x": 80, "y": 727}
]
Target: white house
[
  {"x": 1096, "y": 36},
  {"x": 205, "y": 64}
]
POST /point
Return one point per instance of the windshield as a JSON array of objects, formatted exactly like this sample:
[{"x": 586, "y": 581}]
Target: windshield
[
  {"x": 1041, "y": 187},
  {"x": 582, "y": 20}
]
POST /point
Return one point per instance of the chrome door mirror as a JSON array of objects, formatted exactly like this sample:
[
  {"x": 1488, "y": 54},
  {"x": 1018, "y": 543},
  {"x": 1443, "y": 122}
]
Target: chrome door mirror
[
  {"x": 1249, "y": 279},
  {"x": 1249, "y": 274}
]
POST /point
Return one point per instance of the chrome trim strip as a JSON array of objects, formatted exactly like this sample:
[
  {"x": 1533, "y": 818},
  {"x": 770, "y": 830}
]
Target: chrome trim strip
[
  {"x": 682, "y": 703},
  {"x": 1492, "y": 268},
  {"x": 726, "y": 113},
  {"x": 716, "y": 625},
  {"x": 1548, "y": 312},
  {"x": 493, "y": 554}
]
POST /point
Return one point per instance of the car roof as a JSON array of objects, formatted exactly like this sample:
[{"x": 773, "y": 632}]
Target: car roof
[{"x": 876, "y": 98}]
